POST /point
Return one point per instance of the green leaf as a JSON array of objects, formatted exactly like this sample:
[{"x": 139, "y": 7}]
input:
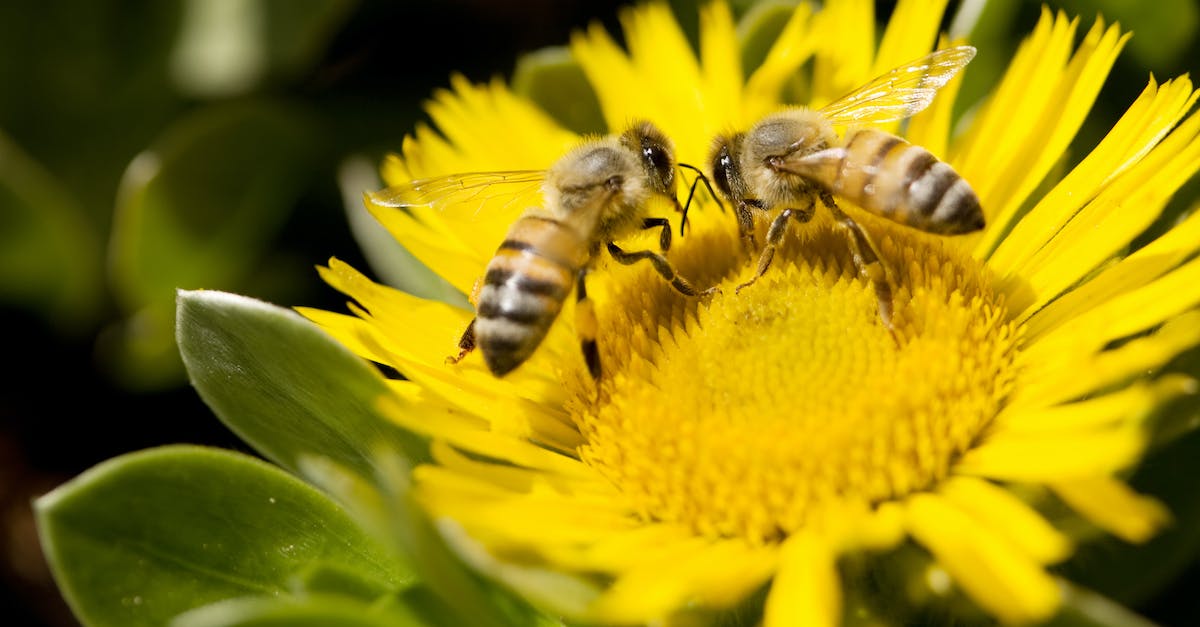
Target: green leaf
[
  {"x": 285, "y": 386},
  {"x": 201, "y": 209},
  {"x": 85, "y": 87},
  {"x": 297, "y": 33},
  {"x": 555, "y": 81},
  {"x": 333, "y": 578},
  {"x": 228, "y": 48},
  {"x": 450, "y": 564},
  {"x": 316, "y": 611},
  {"x": 1164, "y": 31},
  {"x": 758, "y": 29},
  {"x": 449, "y": 593},
  {"x": 49, "y": 259},
  {"x": 143, "y": 537}
]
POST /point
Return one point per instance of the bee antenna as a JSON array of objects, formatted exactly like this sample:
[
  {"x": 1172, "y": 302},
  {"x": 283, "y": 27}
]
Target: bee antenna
[{"x": 700, "y": 178}]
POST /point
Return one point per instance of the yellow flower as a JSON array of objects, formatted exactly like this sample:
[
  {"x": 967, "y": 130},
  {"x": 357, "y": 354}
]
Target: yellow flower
[{"x": 748, "y": 442}]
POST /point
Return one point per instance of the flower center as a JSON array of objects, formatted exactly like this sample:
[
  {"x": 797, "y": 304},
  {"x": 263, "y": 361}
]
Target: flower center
[{"x": 748, "y": 414}]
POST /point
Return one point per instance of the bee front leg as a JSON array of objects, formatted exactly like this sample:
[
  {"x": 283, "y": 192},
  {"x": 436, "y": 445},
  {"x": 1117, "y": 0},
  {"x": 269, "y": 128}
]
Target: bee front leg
[
  {"x": 664, "y": 238},
  {"x": 867, "y": 259},
  {"x": 664, "y": 268},
  {"x": 775, "y": 236},
  {"x": 745, "y": 220},
  {"x": 585, "y": 325},
  {"x": 466, "y": 344}
]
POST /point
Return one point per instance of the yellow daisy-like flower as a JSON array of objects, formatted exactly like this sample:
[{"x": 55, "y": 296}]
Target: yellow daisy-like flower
[{"x": 747, "y": 442}]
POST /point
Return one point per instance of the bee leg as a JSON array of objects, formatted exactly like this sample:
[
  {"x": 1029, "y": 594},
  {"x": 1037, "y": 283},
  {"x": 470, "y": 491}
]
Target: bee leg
[
  {"x": 745, "y": 221},
  {"x": 664, "y": 268},
  {"x": 774, "y": 236},
  {"x": 664, "y": 238},
  {"x": 585, "y": 326},
  {"x": 867, "y": 259},
  {"x": 466, "y": 344}
]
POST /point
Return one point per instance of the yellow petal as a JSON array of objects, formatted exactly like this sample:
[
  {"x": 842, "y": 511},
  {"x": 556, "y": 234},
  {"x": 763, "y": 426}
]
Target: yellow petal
[
  {"x": 1106, "y": 225},
  {"x": 541, "y": 516},
  {"x": 930, "y": 128},
  {"x": 807, "y": 590},
  {"x": 1046, "y": 457},
  {"x": 1050, "y": 371},
  {"x": 440, "y": 322},
  {"x": 664, "y": 61},
  {"x": 1002, "y": 513},
  {"x": 1003, "y": 581},
  {"x": 845, "y": 55},
  {"x": 453, "y": 259},
  {"x": 1143, "y": 266},
  {"x": 608, "y": 70},
  {"x": 515, "y": 479},
  {"x": 502, "y": 447},
  {"x": 492, "y": 128},
  {"x": 1132, "y": 312},
  {"x": 1143, "y": 126},
  {"x": 999, "y": 133},
  {"x": 568, "y": 594},
  {"x": 1112, "y": 506},
  {"x": 624, "y": 550},
  {"x": 422, "y": 357},
  {"x": 721, "y": 65},
  {"x": 697, "y": 572},
  {"x": 351, "y": 331},
  {"x": 1129, "y": 405},
  {"x": 876, "y": 530},
  {"x": 1033, "y": 117},
  {"x": 911, "y": 32}
]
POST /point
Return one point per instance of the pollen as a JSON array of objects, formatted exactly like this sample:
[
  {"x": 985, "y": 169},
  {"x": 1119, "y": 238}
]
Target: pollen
[{"x": 754, "y": 414}]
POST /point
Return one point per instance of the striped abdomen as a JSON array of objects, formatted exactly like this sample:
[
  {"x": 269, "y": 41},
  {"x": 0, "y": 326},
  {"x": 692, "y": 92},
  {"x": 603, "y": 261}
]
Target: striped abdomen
[
  {"x": 524, "y": 289},
  {"x": 905, "y": 183}
]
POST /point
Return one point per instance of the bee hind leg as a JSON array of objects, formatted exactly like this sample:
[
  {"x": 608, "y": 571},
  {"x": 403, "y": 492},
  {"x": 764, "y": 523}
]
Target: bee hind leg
[
  {"x": 867, "y": 260},
  {"x": 466, "y": 344},
  {"x": 585, "y": 326},
  {"x": 775, "y": 236},
  {"x": 664, "y": 268}
]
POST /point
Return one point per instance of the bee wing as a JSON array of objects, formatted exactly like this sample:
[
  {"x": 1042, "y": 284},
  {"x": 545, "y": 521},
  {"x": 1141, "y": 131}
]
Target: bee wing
[
  {"x": 466, "y": 192},
  {"x": 900, "y": 92}
]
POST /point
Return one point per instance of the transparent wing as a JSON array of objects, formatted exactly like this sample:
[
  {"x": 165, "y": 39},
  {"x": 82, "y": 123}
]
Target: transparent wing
[
  {"x": 466, "y": 193},
  {"x": 902, "y": 91}
]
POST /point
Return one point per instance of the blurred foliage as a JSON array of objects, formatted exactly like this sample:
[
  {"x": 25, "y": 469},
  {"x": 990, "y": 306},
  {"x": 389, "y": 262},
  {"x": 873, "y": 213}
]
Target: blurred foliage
[
  {"x": 156, "y": 108},
  {"x": 147, "y": 146}
]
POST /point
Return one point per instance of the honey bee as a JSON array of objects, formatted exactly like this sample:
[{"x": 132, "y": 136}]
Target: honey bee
[
  {"x": 789, "y": 159},
  {"x": 595, "y": 194}
]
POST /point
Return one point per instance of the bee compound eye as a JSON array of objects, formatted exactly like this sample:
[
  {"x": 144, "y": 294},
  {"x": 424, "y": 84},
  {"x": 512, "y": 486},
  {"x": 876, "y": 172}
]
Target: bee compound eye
[
  {"x": 659, "y": 161},
  {"x": 720, "y": 170}
]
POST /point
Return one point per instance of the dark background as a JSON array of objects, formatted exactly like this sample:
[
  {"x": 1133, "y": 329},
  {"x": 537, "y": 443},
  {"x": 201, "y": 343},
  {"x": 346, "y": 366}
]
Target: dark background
[{"x": 83, "y": 89}]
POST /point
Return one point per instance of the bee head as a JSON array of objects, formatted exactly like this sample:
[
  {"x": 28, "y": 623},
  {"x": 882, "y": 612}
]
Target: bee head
[
  {"x": 655, "y": 153},
  {"x": 725, "y": 172}
]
